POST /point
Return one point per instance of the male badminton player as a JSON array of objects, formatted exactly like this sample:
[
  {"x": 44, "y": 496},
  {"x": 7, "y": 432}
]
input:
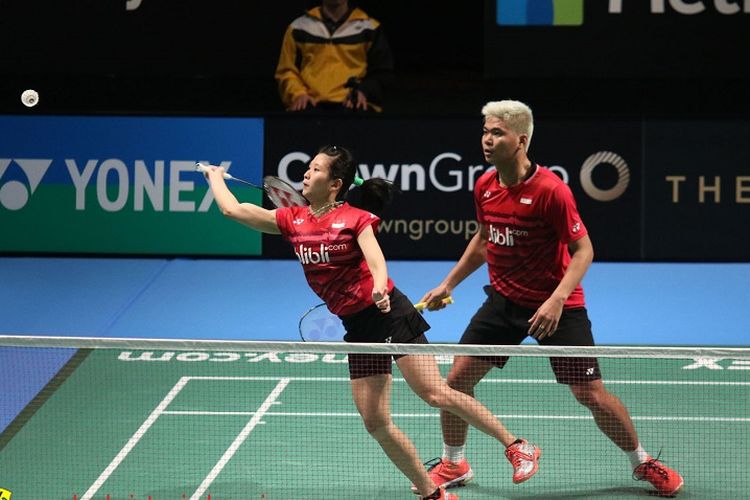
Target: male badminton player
[
  {"x": 343, "y": 263},
  {"x": 537, "y": 250}
]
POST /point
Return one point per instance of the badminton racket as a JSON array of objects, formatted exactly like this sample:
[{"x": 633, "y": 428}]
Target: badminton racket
[
  {"x": 281, "y": 193},
  {"x": 319, "y": 325}
]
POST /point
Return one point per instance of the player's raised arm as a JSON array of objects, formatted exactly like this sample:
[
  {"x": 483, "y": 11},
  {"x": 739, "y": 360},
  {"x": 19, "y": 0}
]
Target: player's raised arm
[{"x": 251, "y": 215}]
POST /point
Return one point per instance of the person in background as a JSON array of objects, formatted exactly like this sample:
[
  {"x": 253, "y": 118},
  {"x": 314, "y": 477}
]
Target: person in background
[
  {"x": 334, "y": 57},
  {"x": 537, "y": 251}
]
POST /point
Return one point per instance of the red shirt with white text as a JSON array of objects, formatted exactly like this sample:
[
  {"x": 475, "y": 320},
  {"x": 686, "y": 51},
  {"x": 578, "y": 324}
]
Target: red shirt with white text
[
  {"x": 331, "y": 258},
  {"x": 530, "y": 226}
]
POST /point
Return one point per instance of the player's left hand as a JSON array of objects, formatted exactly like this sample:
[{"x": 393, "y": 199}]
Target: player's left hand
[
  {"x": 545, "y": 320},
  {"x": 382, "y": 300}
]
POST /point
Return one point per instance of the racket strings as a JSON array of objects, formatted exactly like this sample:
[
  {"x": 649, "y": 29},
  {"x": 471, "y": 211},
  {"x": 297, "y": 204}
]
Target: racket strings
[{"x": 282, "y": 194}]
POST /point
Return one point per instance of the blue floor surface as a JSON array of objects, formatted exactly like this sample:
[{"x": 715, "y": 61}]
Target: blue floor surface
[{"x": 629, "y": 304}]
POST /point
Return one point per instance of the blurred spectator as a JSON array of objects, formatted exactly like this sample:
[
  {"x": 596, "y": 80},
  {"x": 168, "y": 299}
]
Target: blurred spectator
[{"x": 334, "y": 57}]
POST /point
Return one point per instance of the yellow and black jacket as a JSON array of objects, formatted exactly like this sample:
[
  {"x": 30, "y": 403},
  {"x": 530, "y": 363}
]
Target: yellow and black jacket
[{"x": 319, "y": 62}]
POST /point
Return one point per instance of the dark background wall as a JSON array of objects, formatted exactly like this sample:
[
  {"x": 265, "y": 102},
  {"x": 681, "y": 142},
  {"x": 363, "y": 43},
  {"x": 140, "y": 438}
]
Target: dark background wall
[{"x": 196, "y": 56}]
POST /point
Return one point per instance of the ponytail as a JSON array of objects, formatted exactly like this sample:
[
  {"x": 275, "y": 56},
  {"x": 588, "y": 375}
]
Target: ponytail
[{"x": 373, "y": 195}]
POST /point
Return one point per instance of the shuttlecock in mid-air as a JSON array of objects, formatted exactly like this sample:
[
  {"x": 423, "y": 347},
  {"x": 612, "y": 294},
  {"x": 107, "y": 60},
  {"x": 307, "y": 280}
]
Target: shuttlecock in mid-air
[{"x": 30, "y": 98}]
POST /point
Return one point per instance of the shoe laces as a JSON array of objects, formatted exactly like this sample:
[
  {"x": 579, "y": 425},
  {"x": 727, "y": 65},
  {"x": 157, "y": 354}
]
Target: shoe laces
[
  {"x": 516, "y": 456},
  {"x": 651, "y": 465}
]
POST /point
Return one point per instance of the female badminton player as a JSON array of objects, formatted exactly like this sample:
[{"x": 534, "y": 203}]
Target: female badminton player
[{"x": 343, "y": 263}]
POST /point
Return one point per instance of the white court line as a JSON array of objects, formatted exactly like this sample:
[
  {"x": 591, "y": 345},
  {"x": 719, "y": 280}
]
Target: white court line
[
  {"x": 619, "y": 382},
  {"x": 240, "y": 438},
  {"x": 486, "y": 380},
  {"x": 437, "y": 414},
  {"x": 135, "y": 438}
]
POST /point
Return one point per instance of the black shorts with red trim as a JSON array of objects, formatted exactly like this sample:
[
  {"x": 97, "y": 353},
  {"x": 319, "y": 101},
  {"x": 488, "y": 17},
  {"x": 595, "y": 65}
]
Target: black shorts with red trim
[
  {"x": 500, "y": 321},
  {"x": 402, "y": 325}
]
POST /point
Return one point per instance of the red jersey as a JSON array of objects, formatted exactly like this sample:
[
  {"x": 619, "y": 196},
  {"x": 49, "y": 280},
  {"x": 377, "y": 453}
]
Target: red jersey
[
  {"x": 529, "y": 228},
  {"x": 327, "y": 248}
]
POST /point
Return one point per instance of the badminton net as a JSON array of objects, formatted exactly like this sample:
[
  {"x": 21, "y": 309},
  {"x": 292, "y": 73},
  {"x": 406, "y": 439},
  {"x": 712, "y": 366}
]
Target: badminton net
[{"x": 85, "y": 418}]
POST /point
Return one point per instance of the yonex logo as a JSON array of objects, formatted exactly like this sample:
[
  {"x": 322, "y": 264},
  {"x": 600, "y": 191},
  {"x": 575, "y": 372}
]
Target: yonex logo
[
  {"x": 14, "y": 194},
  {"x": 539, "y": 12}
]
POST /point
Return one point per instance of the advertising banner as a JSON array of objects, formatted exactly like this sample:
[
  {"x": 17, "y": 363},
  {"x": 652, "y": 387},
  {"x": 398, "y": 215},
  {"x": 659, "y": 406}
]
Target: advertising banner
[
  {"x": 697, "y": 201},
  {"x": 436, "y": 162},
  {"x": 601, "y": 162},
  {"x": 565, "y": 39},
  {"x": 123, "y": 185},
  {"x": 656, "y": 190},
  {"x": 433, "y": 162}
]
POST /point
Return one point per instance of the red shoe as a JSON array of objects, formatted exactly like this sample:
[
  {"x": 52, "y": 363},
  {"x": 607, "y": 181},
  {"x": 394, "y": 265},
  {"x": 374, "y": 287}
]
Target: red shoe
[
  {"x": 525, "y": 459},
  {"x": 447, "y": 474},
  {"x": 666, "y": 481}
]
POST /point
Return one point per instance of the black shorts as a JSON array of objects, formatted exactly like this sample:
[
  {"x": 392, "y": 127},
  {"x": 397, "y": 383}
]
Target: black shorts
[
  {"x": 402, "y": 325},
  {"x": 502, "y": 322}
]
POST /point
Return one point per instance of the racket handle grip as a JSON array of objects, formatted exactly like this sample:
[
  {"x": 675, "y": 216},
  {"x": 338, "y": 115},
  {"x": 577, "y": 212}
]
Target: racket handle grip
[
  {"x": 421, "y": 306},
  {"x": 203, "y": 168}
]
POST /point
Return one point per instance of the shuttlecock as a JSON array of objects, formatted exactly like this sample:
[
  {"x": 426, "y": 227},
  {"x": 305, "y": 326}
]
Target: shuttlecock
[{"x": 30, "y": 98}]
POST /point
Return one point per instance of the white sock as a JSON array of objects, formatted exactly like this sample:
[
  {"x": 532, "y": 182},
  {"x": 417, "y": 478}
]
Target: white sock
[
  {"x": 453, "y": 453},
  {"x": 637, "y": 456}
]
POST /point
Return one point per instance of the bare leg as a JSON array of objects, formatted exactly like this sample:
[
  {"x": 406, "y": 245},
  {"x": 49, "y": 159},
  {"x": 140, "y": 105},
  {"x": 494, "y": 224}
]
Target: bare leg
[
  {"x": 464, "y": 375},
  {"x": 609, "y": 413},
  {"x": 422, "y": 375},
  {"x": 372, "y": 397}
]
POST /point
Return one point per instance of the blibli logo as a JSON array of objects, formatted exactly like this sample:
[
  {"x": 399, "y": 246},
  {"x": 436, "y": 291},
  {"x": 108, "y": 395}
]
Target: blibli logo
[
  {"x": 506, "y": 237},
  {"x": 14, "y": 194},
  {"x": 309, "y": 256},
  {"x": 503, "y": 239},
  {"x": 539, "y": 12}
]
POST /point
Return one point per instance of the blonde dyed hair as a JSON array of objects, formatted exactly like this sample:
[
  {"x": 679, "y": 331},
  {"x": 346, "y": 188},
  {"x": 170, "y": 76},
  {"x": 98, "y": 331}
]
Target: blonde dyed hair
[{"x": 515, "y": 114}]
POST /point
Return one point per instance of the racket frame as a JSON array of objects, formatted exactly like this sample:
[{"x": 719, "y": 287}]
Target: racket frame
[{"x": 271, "y": 184}]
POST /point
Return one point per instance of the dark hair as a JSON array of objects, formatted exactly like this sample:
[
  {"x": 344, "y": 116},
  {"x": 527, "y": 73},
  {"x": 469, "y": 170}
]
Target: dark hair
[{"x": 374, "y": 193}]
